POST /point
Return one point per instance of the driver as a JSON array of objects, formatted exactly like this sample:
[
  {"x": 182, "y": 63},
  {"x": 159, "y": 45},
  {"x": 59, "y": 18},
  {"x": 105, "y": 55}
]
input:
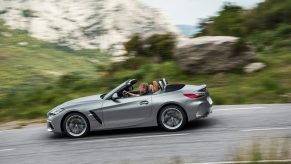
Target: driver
[{"x": 143, "y": 90}]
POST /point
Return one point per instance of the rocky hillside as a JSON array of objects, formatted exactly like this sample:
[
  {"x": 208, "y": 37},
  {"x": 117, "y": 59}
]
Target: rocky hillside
[{"x": 90, "y": 24}]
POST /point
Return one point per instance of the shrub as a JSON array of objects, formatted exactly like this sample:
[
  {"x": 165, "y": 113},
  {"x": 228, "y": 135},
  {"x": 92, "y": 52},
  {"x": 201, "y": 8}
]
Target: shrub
[
  {"x": 3, "y": 11},
  {"x": 270, "y": 84},
  {"x": 27, "y": 13},
  {"x": 158, "y": 47},
  {"x": 134, "y": 46}
]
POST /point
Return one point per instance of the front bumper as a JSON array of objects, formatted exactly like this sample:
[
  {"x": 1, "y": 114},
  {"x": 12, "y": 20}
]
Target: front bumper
[
  {"x": 54, "y": 124},
  {"x": 50, "y": 127}
]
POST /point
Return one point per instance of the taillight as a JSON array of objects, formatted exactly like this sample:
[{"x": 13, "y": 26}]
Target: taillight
[{"x": 194, "y": 95}]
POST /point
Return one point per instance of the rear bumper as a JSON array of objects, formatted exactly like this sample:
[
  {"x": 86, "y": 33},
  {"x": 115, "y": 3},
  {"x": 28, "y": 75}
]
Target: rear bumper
[
  {"x": 204, "y": 109},
  {"x": 199, "y": 109}
]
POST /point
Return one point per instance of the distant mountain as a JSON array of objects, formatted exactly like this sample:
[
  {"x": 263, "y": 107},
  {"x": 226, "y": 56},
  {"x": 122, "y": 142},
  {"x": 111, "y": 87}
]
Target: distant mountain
[
  {"x": 86, "y": 24},
  {"x": 188, "y": 30}
]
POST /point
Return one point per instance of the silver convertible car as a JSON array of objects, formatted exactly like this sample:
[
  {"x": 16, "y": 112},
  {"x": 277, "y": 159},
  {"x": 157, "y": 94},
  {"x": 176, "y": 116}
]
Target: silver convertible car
[{"x": 170, "y": 108}]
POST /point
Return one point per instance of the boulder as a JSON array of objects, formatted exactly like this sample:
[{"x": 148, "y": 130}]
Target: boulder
[
  {"x": 211, "y": 54},
  {"x": 254, "y": 67}
]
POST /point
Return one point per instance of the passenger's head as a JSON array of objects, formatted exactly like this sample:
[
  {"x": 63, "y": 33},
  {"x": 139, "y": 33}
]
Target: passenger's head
[
  {"x": 143, "y": 88},
  {"x": 156, "y": 86}
]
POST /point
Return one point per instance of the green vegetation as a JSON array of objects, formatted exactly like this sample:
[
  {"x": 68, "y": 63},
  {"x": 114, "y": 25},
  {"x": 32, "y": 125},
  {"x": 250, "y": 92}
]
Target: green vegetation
[
  {"x": 160, "y": 47},
  {"x": 267, "y": 27},
  {"x": 229, "y": 22},
  {"x": 36, "y": 75}
]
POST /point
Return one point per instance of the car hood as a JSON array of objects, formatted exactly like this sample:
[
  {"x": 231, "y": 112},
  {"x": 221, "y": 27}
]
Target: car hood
[{"x": 80, "y": 101}]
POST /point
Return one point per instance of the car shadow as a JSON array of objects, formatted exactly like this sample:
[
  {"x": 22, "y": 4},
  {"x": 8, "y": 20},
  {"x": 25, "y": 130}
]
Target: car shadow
[
  {"x": 191, "y": 126},
  {"x": 114, "y": 133},
  {"x": 201, "y": 124}
]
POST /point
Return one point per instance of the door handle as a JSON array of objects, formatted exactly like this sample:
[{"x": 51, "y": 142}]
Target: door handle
[{"x": 143, "y": 102}]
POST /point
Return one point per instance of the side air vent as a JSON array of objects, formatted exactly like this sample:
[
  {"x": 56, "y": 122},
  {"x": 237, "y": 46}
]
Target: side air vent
[{"x": 96, "y": 117}]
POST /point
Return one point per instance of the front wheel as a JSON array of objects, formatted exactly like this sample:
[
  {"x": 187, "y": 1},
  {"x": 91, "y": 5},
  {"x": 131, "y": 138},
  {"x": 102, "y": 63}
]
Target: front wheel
[
  {"x": 172, "y": 118},
  {"x": 76, "y": 125}
]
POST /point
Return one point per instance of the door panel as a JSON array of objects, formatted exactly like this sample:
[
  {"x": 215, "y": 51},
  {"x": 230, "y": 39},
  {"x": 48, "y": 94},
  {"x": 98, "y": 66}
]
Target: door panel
[{"x": 126, "y": 111}]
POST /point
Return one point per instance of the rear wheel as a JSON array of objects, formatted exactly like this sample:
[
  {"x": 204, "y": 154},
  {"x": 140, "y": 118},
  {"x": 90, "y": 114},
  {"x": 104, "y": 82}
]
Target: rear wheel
[
  {"x": 76, "y": 125},
  {"x": 172, "y": 118}
]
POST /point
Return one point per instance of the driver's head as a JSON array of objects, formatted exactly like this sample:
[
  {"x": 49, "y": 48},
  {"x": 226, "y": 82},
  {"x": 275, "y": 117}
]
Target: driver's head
[{"x": 143, "y": 88}]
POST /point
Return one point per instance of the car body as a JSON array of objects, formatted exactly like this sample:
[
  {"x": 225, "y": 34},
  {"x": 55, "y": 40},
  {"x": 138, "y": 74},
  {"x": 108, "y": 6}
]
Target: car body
[{"x": 112, "y": 111}]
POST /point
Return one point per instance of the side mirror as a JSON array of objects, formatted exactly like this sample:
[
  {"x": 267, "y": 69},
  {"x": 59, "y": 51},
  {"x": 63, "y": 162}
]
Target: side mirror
[{"x": 114, "y": 96}]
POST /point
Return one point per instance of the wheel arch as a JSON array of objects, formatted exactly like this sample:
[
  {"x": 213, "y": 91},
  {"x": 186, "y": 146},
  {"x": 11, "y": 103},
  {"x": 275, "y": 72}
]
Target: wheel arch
[
  {"x": 64, "y": 117},
  {"x": 168, "y": 104}
]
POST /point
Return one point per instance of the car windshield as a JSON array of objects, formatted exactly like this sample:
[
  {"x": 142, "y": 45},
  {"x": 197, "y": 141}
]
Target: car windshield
[
  {"x": 102, "y": 96},
  {"x": 114, "y": 90}
]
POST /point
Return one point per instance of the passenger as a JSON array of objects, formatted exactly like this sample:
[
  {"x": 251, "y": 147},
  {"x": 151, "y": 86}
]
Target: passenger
[
  {"x": 143, "y": 90},
  {"x": 155, "y": 87}
]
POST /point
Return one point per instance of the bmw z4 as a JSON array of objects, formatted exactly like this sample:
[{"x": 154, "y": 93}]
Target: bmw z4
[{"x": 171, "y": 108}]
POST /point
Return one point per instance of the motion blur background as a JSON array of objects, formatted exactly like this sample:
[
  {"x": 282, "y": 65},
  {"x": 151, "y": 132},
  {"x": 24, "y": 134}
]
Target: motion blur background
[{"x": 54, "y": 51}]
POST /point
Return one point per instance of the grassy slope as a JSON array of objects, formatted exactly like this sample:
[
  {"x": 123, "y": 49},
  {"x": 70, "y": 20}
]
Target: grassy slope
[{"x": 38, "y": 61}]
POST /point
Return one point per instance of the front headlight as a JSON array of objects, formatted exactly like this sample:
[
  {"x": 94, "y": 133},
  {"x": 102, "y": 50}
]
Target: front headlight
[{"x": 55, "y": 112}]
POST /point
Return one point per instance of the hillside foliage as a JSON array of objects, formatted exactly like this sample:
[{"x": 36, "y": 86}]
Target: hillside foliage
[{"x": 268, "y": 26}]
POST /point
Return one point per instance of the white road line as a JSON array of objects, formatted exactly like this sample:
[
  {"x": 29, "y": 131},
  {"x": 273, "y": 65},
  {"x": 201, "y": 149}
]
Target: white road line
[
  {"x": 1, "y": 150},
  {"x": 243, "y": 108},
  {"x": 7, "y": 130},
  {"x": 124, "y": 138},
  {"x": 265, "y": 129},
  {"x": 243, "y": 162}
]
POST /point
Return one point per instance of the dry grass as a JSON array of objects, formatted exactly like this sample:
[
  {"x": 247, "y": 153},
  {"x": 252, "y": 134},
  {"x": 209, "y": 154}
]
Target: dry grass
[{"x": 265, "y": 150}]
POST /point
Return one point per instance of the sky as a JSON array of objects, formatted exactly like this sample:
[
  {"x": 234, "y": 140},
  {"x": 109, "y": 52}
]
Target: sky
[{"x": 189, "y": 12}]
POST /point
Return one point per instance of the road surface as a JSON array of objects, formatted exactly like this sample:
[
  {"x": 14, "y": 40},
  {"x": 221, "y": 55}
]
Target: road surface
[{"x": 213, "y": 139}]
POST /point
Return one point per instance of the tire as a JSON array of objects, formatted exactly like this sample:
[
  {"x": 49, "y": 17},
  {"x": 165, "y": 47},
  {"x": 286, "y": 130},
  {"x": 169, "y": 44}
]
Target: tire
[
  {"x": 172, "y": 118},
  {"x": 76, "y": 125}
]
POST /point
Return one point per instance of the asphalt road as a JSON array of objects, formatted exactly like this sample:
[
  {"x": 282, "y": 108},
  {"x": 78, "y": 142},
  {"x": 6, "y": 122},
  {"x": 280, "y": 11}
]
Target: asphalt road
[{"x": 215, "y": 138}]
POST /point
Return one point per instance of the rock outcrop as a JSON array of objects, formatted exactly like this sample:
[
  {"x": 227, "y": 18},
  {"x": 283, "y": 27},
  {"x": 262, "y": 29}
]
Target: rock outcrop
[
  {"x": 211, "y": 54},
  {"x": 86, "y": 24}
]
